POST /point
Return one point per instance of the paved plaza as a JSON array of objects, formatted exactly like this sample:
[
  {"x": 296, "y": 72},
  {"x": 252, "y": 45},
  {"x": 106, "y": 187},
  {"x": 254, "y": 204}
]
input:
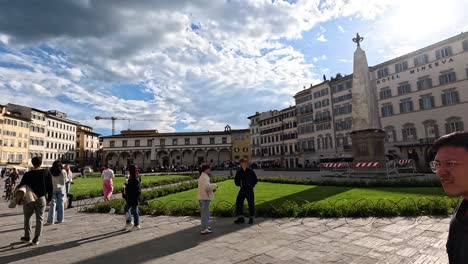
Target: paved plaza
[{"x": 97, "y": 238}]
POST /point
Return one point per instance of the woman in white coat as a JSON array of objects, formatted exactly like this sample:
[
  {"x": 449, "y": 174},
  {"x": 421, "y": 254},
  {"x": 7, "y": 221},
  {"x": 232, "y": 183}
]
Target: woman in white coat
[{"x": 205, "y": 195}]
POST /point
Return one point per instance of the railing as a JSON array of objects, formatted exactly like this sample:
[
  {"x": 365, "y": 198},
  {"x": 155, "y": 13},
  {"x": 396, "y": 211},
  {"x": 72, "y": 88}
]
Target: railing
[
  {"x": 322, "y": 119},
  {"x": 309, "y": 150},
  {"x": 390, "y": 169},
  {"x": 15, "y": 161},
  {"x": 427, "y": 140}
]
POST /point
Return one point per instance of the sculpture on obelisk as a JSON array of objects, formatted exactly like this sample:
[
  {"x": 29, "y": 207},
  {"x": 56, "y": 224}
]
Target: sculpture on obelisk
[{"x": 367, "y": 136}]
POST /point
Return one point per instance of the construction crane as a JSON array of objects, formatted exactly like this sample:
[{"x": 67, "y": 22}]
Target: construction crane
[
  {"x": 113, "y": 120},
  {"x": 128, "y": 119}
]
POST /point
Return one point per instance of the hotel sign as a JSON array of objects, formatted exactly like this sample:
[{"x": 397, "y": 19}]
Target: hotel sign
[{"x": 417, "y": 69}]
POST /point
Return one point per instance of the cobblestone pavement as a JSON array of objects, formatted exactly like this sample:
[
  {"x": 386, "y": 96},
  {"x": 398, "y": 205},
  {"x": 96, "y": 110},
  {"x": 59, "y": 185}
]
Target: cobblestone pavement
[{"x": 97, "y": 238}]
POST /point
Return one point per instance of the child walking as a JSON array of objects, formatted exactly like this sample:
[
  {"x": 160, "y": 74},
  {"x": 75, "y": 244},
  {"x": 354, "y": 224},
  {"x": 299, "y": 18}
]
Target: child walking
[
  {"x": 205, "y": 195},
  {"x": 132, "y": 194}
]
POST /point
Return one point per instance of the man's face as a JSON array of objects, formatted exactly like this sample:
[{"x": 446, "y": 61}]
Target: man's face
[
  {"x": 243, "y": 165},
  {"x": 453, "y": 170}
]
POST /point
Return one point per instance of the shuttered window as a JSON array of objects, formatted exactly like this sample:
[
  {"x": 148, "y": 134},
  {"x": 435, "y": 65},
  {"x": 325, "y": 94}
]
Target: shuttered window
[
  {"x": 444, "y": 52},
  {"x": 426, "y": 102},
  {"x": 450, "y": 98},
  {"x": 448, "y": 77}
]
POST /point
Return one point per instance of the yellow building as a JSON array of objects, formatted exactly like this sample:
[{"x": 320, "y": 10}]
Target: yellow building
[
  {"x": 87, "y": 147},
  {"x": 241, "y": 145},
  {"x": 14, "y": 138}
]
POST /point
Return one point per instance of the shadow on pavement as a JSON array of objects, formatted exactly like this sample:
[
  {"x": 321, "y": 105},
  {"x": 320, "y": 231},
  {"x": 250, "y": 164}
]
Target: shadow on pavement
[
  {"x": 11, "y": 230},
  {"x": 10, "y": 214},
  {"x": 41, "y": 250},
  {"x": 165, "y": 245}
]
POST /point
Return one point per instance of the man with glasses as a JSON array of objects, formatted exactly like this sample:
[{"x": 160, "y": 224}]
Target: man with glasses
[{"x": 451, "y": 166}]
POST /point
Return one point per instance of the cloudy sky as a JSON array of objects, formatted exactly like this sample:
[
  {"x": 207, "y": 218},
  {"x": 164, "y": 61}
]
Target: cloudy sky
[{"x": 188, "y": 65}]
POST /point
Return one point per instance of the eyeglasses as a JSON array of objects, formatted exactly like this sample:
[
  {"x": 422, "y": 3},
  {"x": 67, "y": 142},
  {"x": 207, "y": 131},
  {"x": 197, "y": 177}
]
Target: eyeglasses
[{"x": 448, "y": 164}]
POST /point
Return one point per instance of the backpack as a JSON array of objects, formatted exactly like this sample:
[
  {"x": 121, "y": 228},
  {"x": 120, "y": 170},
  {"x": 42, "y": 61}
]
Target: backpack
[{"x": 124, "y": 192}]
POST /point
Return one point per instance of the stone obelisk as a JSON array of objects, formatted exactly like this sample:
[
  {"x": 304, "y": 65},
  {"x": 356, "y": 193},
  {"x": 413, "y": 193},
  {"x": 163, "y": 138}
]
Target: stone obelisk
[{"x": 367, "y": 135}]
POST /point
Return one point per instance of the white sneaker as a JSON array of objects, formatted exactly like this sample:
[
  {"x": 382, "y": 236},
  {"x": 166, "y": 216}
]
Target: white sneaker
[
  {"x": 206, "y": 231},
  {"x": 134, "y": 228},
  {"x": 128, "y": 226}
]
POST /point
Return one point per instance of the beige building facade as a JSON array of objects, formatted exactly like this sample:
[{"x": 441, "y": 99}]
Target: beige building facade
[
  {"x": 275, "y": 138},
  {"x": 241, "y": 145},
  {"x": 61, "y": 138},
  {"x": 14, "y": 138},
  {"x": 87, "y": 147},
  {"x": 150, "y": 149},
  {"x": 423, "y": 95}
]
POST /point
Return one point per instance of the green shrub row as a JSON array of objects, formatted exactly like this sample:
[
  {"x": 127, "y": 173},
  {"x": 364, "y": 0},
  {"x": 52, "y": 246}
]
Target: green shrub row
[
  {"x": 357, "y": 183},
  {"x": 117, "y": 189},
  {"x": 118, "y": 204},
  {"x": 323, "y": 209},
  {"x": 98, "y": 175}
]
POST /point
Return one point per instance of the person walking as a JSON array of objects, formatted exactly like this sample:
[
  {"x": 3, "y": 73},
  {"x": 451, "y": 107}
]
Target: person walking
[
  {"x": 205, "y": 194},
  {"x": 68, "y": 185},
  {"x": 59, "y": 180},
  {"x": 132, "y": 195},
  {"x": 107, "y": 184},
  {"x": 39, "y": 180},
  {"x": 246, "y": 179}
]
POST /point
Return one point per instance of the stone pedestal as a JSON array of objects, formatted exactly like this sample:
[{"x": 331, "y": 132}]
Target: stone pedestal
[{"x": 368, "y": 145}]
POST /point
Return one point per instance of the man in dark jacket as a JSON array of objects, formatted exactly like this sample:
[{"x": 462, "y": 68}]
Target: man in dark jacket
[
  {"x": 246, "y": 179},
  {"x": 40, "y": 181},
  {"x": 451, "y": 165}
]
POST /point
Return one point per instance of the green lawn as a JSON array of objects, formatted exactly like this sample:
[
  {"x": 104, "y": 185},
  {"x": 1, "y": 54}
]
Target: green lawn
[
  {"x": 277, "y": 193},
  {"x": 92, "y": 187}
]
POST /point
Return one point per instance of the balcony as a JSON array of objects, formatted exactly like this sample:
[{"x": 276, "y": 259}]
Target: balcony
[
  {"x": 322, "y": 119},
  {"x": 15, "y": 161},
  {"x": 427, "y": 141},
  {"x": 309, "y": 150},
  {"x": 345, "y": 148}
]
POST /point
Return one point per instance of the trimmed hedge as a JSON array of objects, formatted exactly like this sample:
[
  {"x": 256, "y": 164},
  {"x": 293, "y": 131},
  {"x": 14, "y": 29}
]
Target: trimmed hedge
[
  {"x": 117, "y": 189},
  {"x": 341, "y": 208},
  {"x": 358, "y": 183},
  {"x": 118, "y": 204}
]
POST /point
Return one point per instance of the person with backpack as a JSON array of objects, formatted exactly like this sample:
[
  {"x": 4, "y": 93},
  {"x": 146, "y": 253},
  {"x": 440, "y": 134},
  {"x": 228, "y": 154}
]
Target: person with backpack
[
  {"x": 59, "y": 180},
  {"x": 40, "y": 181},
  {"x": 205, "y": 194},
  {"x": 132, "y": 195}
]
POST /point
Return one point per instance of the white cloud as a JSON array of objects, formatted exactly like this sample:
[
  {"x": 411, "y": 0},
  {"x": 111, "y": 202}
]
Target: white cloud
[
  {"x": 321, "y": 38},
  {"x": 234, "y": 64},
  {"x": 410, "y": 25},
  {"x": 341, "y": 29}
]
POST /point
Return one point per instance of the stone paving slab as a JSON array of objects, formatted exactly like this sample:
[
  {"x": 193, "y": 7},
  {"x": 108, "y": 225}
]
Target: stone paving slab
[{"x": 98, "y": 238}]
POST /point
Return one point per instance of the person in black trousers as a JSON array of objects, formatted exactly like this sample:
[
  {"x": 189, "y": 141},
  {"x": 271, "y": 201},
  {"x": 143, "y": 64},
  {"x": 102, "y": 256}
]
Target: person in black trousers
[{"x": 246, "y": 179}]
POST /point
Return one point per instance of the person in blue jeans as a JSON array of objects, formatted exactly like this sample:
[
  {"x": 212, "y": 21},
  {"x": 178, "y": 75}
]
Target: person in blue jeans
[
  {"x": 59, "y": 179},
  {"x": 132, "y": 192},
  {"x": 205, "y": 195}
]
